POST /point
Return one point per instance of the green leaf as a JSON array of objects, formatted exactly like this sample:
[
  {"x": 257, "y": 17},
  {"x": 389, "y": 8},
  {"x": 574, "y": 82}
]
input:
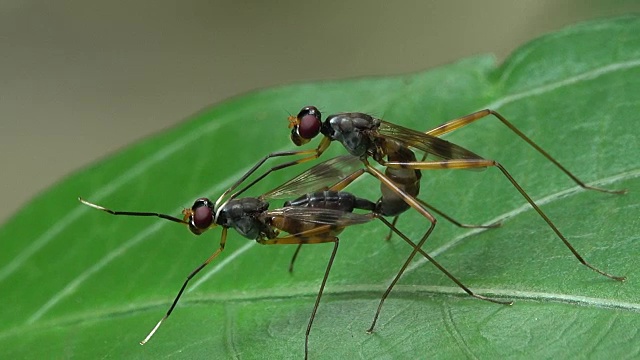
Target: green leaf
[{"x": 78, "y": 282}]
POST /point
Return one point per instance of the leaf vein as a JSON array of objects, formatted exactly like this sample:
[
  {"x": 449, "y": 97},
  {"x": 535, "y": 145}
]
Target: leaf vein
[
  {"x": 71, "y": 287},
  {"x": 113, "y": 185},
  {"x": 631, "y": 174},
  {"x": 586, "y": 76}
]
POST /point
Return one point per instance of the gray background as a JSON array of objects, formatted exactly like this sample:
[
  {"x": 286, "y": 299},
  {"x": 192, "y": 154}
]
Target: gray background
[{"x": 81, "y": 79}]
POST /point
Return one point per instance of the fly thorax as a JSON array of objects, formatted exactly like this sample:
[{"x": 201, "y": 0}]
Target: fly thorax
[
  {"x": 243, "y": 215},
  {"x": 350, "y": 129},
  {"x": 248, "y": 227}
]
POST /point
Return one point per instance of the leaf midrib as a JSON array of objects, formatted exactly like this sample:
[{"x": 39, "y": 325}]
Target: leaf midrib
[
  {"x": 626, "y": 175},
  {"x": 357, "y": 291}
]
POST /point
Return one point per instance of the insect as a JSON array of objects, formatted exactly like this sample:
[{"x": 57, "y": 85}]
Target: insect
[
  {"x": 391, "y": 146},
  {"x": 313, "y": 218}
]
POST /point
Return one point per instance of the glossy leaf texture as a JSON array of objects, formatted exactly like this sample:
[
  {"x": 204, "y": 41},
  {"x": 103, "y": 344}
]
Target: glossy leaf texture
[{"x": 76, "y": 282}]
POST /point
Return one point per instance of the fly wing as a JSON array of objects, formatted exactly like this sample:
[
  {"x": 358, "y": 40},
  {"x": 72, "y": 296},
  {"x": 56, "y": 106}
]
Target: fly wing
[
  {"x": 317, "y": 178},
  {"x": 321, "y": 216},
  {"x": 428, "y": 143}
]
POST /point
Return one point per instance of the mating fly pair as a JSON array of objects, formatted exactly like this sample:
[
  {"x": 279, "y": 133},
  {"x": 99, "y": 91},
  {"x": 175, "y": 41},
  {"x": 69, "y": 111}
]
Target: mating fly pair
[
  {"x": 391, "y": 145},
  {"x": 319, "y": 217},
  {"x": 319, "y": 213}
]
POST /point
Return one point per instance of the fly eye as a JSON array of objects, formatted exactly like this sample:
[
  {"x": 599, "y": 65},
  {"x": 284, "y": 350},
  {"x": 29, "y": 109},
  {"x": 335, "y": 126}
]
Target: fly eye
[
  {"x": 202, "y": 214},
  {"x": 309, "y": 122}
]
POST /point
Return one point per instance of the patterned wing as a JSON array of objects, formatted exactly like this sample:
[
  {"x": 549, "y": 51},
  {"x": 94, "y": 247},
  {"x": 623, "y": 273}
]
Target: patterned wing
[
  {"x": 430, "y": 144},
  {"x": 317, "y": 178}
]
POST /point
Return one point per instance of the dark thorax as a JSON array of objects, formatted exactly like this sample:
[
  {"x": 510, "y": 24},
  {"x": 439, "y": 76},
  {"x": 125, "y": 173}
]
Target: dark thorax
[
  {"x": 243, "y": 215},
  {"x": 351, "y": 129}
]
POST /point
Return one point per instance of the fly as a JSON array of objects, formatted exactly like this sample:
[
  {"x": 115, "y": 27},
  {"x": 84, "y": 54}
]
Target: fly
[
  {"x": 391, "y": 145},
  {"x": 313, "y": 218}
]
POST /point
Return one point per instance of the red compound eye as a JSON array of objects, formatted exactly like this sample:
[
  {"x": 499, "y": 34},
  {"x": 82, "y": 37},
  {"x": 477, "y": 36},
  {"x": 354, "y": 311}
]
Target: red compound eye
[
  {"x": 310, "y": 121},
  {"x": 202, "y": 214}
]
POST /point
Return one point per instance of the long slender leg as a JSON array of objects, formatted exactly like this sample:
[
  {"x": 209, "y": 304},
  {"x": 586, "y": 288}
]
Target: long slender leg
[
  {"x": 480, "y": 163},
  {"x": 446, "y": 217},
  {"x": 348, "y": 180},
  {"x": 410, "y": 200},
  {"x": 418, "y": 248},
  {"x": 468, "y": 119},
  {"x": 315, "y": 305},
  {"x": 393, "y": 223},
  {"x": 456, "y": 222},
  {"x": 335, "y": 187},
  {"x": 294, "y": 257},
  {"x": 223, "y": 240},
  {"x": 315, "y": 153},
  {"x": 305, "y": 238},
  {"x": 400, "y": 272}
]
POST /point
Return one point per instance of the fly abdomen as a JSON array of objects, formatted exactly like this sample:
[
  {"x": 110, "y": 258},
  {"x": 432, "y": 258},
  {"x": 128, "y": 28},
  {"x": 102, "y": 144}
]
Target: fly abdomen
[
  {"x": 334, "y": 200},
  {"x": 408, "y": 180}
]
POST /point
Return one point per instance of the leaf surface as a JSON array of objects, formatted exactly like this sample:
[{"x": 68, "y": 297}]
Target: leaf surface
[{"x": 76, "y": 282}]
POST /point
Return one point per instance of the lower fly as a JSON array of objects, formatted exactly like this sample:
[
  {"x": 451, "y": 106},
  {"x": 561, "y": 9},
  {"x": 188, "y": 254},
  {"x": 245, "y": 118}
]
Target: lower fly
[{"x": 313, "y": 218}]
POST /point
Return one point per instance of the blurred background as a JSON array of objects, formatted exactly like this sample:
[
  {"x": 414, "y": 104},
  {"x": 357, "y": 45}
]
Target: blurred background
[{"x": 81, "y": 79}]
